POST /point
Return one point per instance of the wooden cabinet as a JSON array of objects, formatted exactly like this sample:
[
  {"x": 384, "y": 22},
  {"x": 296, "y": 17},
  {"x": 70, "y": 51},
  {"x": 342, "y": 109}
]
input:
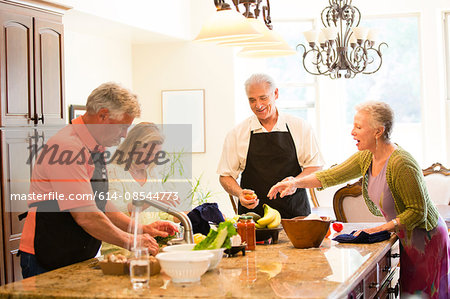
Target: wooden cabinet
[
  {"x": 18, "y": 151},
  {"x": 2, "y": 255},
  {"x": 16, "y": 174},
  {"x": 31, "y": 67},
  {"x": 381, "y": 281},
  {"x": 31, "y": 104}
]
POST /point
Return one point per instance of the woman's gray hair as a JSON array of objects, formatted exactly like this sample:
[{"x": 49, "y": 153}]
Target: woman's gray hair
[
  {"x": 381, "y": 115},
  {"x": 258, "y": 79},
  {"x": 117, "y": 99}
]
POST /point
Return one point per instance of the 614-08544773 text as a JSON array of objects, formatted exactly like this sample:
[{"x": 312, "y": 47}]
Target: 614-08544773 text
[{"x": 161, "y": 196}]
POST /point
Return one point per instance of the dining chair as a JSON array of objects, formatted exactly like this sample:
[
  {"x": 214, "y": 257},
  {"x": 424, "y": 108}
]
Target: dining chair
[
  {"x": 324, "y": 198},
  {"x": 437, "y": 180},
  {"x": 349, "y": 205}
]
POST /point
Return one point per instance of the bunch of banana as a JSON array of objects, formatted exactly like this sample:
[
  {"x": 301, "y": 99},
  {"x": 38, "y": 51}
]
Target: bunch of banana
[{"x": 271, "y": 219}]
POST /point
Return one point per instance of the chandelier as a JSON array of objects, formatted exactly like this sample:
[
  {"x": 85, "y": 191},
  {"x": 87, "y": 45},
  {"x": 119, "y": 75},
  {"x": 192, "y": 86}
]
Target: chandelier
[
  {"x": 242, "y": 28},
  {"x": 342, "y": 46}
]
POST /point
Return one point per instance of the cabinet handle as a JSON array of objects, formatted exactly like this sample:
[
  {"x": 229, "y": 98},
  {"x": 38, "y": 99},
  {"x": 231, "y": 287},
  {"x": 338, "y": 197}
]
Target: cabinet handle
[
  {"x": 373, "y": 285},
  {"x": 393, "y": 290},
  {"x": 395, "y": 255},
  {"x": 36, "y": 118},
  {"x": 386, "y": 269}
]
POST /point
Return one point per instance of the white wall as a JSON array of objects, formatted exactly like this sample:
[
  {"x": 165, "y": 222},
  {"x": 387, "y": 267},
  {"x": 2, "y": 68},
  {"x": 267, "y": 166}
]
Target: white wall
[
  {"x": 165, "y": 17},
  {"x": 92, "y": 58}
]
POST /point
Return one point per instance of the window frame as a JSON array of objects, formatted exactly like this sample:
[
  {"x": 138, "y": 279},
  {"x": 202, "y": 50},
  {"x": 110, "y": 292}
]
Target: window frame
[{"x": 446, "y": 38}]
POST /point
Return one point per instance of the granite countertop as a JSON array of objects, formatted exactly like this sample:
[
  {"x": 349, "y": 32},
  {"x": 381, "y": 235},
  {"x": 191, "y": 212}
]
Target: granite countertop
[{"x": 277, "y": 270}]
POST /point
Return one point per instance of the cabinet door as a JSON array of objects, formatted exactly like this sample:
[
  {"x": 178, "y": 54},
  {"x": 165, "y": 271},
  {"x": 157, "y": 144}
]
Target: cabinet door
[
  {"x": 16, "y": 64},
  {"x": 16, "y": 174},
  {"x": 2, "y": 254},
  {"x": 49, "y": 68}
]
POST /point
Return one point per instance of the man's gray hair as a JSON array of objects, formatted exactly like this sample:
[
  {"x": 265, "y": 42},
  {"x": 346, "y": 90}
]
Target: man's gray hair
[
  {"x": 381, "y": 115},
  {"x": 117, "y": 99},
  {"x": 260, "y": 79}
]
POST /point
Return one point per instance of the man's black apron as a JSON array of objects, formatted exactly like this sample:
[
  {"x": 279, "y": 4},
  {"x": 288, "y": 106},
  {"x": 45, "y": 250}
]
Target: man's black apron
[
  {"x": 272, "y": 157},
  {"x": 59, "y": 241}
]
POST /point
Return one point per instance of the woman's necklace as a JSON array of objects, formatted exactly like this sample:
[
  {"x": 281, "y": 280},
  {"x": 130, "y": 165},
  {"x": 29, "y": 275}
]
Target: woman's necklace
[{"x": 377, "y": 164}]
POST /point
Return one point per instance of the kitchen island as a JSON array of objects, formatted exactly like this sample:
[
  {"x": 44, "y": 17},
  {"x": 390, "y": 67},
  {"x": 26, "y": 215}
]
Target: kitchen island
[{"x": 279, "y": 270}]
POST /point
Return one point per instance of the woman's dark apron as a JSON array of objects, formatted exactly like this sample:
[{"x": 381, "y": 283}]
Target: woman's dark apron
[
  {"x": 59, "y": 241},
  {"x": 272, "y": 157}
]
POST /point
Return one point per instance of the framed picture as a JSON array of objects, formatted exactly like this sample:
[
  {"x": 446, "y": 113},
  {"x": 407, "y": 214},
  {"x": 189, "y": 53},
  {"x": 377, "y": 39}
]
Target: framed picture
[
  {"x": 75, "y": 111},
  {"x": 186, "y": 107}
]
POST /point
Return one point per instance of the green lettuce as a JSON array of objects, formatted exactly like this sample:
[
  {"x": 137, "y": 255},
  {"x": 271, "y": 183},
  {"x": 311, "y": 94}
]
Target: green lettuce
[
  {"x": 219, "y": 238},
  {"x": 163, "y": 240}
]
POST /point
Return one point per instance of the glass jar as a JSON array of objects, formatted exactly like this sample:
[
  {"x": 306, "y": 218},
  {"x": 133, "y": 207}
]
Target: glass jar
[{"x": 246, "y": 229}]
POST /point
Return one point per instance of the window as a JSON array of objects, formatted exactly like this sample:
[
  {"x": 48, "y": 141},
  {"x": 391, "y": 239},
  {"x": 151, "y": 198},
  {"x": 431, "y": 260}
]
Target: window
[
  {"x": 398, "y": 82},
  {"x": 447, "y": 49}
]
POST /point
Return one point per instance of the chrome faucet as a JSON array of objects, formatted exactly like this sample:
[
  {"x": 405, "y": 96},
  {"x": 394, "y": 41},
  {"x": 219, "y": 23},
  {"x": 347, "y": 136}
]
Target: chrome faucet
[{"x": 188, "y": 234}]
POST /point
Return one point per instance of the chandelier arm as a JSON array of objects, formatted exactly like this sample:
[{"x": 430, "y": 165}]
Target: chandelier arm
[
  {"x": 314, "y": 51},
  {"x": 333, "y": 58},
  {"x": 304, "y": 48},
  {"x": 379, "y": 47},
  {"x": 359, "y": 15},
  {"x": 266, "y": 15},
  {"x": 236, "y": 5},
  {"x": 324, "y": 14},
  {"x": 373, "y": 59},
  {"x": 353, "y": 58}
]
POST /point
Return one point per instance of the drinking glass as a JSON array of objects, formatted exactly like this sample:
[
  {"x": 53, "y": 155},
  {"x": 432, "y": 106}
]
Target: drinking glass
[{"x": 139, "y": 267}]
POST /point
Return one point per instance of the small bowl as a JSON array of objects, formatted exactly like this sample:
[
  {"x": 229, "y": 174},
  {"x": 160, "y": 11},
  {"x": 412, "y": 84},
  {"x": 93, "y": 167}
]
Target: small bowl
[
  {"x": 263, "y": 234},
  {"x": 234, "y": 250},
  {"x": 306, "y": 233},
  {"x": 217, "y": 253},
  {"x": 186, "y": 267}
]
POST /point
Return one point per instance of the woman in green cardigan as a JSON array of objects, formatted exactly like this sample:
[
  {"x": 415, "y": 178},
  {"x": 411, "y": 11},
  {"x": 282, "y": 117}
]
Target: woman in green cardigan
[{"x": 393, "y": 187}]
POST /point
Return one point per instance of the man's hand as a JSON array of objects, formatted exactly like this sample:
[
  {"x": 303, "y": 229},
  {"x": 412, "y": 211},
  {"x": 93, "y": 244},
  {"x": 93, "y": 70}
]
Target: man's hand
[
  {"x": 248, "y": 199},
  {"x": 285, "y": 187},
  {"x": 145, "y": 240},
  {"x": 160, "y": 228}
]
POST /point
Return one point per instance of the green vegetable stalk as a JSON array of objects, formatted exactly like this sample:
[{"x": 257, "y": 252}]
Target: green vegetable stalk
[
  {"x": 218, "y": 239},
  {"x": 163, "y": 240}
]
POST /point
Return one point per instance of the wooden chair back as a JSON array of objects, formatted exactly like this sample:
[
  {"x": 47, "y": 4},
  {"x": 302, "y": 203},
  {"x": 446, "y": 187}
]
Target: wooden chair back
[
  {"x": 437, "y": 180},
  {"x": 234, "y": 203},
  {"x": 349, "y": 205}
]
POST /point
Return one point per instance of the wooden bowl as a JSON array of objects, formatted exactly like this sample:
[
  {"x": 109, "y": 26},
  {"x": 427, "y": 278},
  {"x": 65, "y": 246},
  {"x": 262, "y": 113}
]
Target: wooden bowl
[
  {"x": 110, "y": 268},
  {"x": 306, "y": 233}
]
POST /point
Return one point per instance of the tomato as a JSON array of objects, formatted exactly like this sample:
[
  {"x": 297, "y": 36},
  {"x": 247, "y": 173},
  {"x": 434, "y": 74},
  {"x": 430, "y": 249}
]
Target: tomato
[
  {"x": 338, "y": 226},
  {"x": 250, "y": 196}
]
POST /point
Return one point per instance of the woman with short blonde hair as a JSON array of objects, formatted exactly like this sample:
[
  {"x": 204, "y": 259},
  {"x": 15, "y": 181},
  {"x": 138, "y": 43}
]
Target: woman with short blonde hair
[{"x": 393, "y": 186}]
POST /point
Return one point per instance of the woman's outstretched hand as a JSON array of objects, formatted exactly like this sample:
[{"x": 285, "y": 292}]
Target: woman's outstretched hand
[{"x": 285, "y": 187}]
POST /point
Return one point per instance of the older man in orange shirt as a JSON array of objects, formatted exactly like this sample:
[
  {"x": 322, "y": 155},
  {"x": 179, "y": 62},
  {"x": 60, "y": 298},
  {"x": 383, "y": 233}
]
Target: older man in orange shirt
[{"x": 72, "y": 167}]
